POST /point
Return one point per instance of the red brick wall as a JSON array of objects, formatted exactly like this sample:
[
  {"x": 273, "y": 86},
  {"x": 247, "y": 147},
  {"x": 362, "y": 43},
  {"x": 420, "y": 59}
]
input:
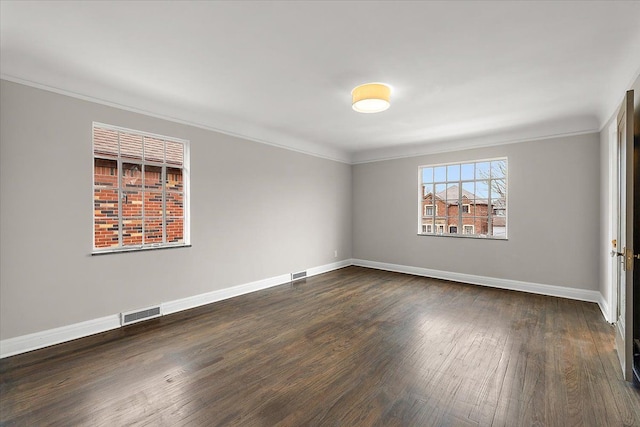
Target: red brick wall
[{"x": 133, "y": 200}]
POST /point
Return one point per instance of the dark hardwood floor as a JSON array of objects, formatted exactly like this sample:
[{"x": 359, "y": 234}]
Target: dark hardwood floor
[{"x": 354, "y": 347}]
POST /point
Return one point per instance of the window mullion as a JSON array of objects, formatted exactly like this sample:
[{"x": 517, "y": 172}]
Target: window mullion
[
  {"x": 490, "y": 210},
  {"x": 120, "y": 195},
  {"x": 163, "y": 180},
  {"x": 460, "y": 225},
  {"x": 143, "y": 194}
]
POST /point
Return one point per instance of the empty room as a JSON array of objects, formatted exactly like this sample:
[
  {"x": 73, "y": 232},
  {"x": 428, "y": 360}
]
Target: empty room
[{"x": 319, "y": 213}]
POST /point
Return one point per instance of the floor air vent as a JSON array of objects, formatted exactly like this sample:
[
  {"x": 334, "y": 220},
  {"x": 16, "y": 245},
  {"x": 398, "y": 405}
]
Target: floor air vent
[
  {"x": 298, "y": 276},
  {"x": 137, "y": 316}
]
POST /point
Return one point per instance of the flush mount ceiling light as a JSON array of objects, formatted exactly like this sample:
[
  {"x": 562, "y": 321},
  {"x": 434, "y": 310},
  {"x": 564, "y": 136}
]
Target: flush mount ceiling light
[{"x": 371, "y": 97}]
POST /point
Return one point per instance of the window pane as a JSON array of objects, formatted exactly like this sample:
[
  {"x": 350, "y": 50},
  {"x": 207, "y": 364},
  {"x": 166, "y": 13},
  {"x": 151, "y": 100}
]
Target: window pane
[
  {"x": 482, "y": 170},
  {"x": 105, "y": 203},
  {"x": 153, "y": 177},
  {"x": 175, "y": 230},
  {"x": 175, "y": 153},
  {"x": 131, "y": 231},
  {"x": 498, "y": 169},
  {"x": 130, "y": 145},
  {"x": 105, "y": 232},
  {"x": 152, "y": 230},
  {"x": 499, "y": 226},
  {"x": 105, "y": 173},
  {"x": 467, "y": 171},
  {"x": 175, "y": 205},
  {"x": 131, "y": 175},
  {"x": 453, "y": 173},
  {"x": 427, "y": 175},
  {"x": 153, "y": 149},
  {"x": 498, "y": 188},
  {"x": 174, "y": 179},
  {"x": 452, "y": 194},
  {"x": 131, "y": 204},
  {"x": 427, "y": 190},
  {"x": 105, "y": 142},
  {"x": 482, "y": 190},
  {"x": 440, "y": 191},
  {"x": 152, "y": 203},
  {"x": 440, "y": 174},
  {"x": 481, "y": 208},
  {"x": 482, "y": 225},
  {"x": 468, "y": 190}
]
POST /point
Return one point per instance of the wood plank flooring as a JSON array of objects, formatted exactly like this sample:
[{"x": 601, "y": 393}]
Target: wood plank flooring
[{"x": 354, "y": 347}]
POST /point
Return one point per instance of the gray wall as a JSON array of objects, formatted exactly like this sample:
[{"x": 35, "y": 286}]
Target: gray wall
[
  {"x": 554, "y": 216},
  {"x": 257, "y": 211}
]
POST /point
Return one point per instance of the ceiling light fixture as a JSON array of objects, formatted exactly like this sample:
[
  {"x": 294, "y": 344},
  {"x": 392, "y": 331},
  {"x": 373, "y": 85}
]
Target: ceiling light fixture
[{"x": 371, "y": 97}]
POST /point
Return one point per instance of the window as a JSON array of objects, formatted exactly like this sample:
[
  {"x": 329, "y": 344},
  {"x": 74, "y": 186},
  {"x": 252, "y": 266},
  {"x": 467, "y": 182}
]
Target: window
[
  {"x": 471, "y": 198},
  {"x": 428, "y": 210},
  {"x": 140, "y": 190}
]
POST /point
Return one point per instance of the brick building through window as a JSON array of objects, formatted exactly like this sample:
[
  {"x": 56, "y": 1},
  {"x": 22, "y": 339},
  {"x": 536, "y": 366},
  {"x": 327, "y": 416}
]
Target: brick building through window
[{"x": 139, "y": 189}]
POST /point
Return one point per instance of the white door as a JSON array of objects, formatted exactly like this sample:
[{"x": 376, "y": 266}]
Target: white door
[{"x": 624, "y": 319}]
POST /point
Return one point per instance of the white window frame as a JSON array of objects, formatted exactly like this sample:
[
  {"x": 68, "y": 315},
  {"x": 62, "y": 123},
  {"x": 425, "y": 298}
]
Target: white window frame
[
  {"x": 468, "y": 205},
  {"x": 473, "y": 228},
  {"x": 439, "y": 228},
  {"x": 429, "y": 228},
  {"x": 120, "y": 189},
  {"x": 451, "y": 232}
]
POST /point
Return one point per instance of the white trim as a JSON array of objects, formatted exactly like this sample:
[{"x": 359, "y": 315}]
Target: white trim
[
  {"x": 338, "y": 155},
  {"x": 25, "y": 343},
  {"x": 37, "y": 340},
  {"x": 611, "y": 268},
  {"x": 450, "y": 146},
  {"x": 314, "y": 271},
  {"x": 515, "y": 285},
  {"x": 604, "y": 308},
  {"x": 222, "y": 294}
]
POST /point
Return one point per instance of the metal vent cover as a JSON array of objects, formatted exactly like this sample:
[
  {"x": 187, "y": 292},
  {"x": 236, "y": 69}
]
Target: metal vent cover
[
  {"x": 299, "y": 275},
  {"x": 137, "y": 316}
]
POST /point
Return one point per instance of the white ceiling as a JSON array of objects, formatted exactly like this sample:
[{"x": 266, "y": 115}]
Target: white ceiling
[{"x": 462, "y": 73}]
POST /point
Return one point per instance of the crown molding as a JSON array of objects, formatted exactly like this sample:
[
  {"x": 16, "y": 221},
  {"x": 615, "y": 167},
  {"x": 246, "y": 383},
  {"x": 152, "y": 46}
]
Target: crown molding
[{"x": 327, "y": 153}]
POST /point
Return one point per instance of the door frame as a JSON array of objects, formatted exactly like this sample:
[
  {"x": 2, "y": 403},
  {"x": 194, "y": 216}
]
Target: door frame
[
  {"x": 624, "y": 336},
  {"x": 612, "y": 209}
]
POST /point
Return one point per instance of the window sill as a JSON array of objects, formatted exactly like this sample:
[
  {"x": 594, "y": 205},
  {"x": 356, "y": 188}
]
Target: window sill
[
  {"x": 138, "y": 249},
  {"x": 459, "y": 236}
]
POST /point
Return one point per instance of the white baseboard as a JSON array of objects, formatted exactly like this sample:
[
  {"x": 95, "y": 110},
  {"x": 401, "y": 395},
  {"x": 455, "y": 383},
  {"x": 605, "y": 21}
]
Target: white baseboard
[
  {"x": 515, "y": 285},
  {"x": 329, "y": 267},
  {"x": 604, "y": 308},
  {"x": 222, "y": 294},
  {"x": 25, "y": 343}
]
